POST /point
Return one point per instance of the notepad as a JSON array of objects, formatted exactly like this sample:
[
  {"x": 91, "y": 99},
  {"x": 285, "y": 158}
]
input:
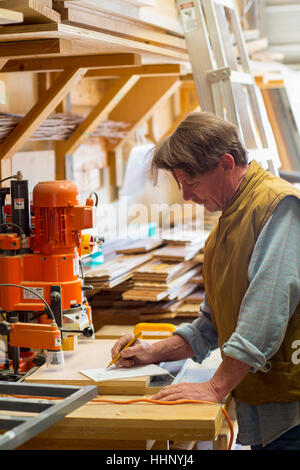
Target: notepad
[{"x": 101, "y": 375}]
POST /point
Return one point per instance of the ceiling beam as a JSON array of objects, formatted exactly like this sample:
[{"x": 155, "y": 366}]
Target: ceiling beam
[{"x": 51, "y": 64}]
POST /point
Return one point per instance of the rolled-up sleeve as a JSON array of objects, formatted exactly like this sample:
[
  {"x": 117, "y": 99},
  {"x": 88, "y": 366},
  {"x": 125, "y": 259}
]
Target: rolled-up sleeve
[
  {"x": 200, "y": 334},
  {"x": 274, "y": 289}
]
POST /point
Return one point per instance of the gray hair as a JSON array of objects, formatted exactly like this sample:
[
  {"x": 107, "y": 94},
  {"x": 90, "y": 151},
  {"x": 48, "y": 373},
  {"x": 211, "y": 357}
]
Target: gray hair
[{"x": 197, "y": 145}]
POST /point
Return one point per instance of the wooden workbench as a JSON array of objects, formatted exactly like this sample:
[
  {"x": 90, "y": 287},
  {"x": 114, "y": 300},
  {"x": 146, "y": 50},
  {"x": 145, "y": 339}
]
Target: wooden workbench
[
  {"x": 91, "y": 354},
  {"x": 130, "y": 426},
  {"x": 116, "y": 426}
]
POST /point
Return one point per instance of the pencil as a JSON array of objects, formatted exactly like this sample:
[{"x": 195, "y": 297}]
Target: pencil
[{"x": 127, "y": 346}]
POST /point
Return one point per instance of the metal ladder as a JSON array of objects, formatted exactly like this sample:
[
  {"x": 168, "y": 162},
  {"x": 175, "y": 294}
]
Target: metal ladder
[{"x": 221, "y": 70}]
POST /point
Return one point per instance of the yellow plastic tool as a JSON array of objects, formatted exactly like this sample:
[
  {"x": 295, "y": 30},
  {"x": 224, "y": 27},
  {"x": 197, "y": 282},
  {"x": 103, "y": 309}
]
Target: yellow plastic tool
[{"x": 154, "y": 330}]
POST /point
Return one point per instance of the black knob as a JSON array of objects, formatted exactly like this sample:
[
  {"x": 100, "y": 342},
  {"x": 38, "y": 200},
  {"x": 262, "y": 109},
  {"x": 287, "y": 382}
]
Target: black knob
[
  {"x": 88, "y": 331},
  {"x": 87, "y": 287}
]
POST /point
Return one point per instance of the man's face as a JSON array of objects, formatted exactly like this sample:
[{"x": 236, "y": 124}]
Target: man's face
[{"x": 213, "y": 190}]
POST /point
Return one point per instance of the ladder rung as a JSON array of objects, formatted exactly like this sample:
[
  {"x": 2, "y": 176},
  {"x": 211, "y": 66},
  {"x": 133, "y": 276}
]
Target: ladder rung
[
  {"x": 241, "y": 77},
  {"x": 225, "y": 3}
]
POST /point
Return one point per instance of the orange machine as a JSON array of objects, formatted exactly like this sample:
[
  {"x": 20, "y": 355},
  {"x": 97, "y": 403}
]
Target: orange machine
[{"x": 40, "y": 261}]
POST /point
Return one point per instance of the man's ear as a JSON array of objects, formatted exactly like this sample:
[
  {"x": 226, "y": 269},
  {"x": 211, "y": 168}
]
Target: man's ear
[{"x": 227, "y": 162}]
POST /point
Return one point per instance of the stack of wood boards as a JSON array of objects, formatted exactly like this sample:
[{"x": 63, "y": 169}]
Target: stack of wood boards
[
  {"x": 140, "y": 246},
  {"x": 124, "y": 20},
  {"x": 148, "y": 284},
  {"x": 115, "y": 271},
  {"x": 159, "y": 280}
]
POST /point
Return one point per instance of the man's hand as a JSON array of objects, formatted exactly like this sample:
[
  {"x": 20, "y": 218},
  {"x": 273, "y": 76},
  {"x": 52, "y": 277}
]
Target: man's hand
[
  {"x": 141, "y": 352},
  {"x": 188, "y": 391},
  {"x": 228, "y": 375}
]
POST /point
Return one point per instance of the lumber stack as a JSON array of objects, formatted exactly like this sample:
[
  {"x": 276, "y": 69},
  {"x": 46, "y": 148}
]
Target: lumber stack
[
  {"x": 164, "y": 280},
  {"x": 115, "y": 272},
  {"x": 143, "y": 287}
]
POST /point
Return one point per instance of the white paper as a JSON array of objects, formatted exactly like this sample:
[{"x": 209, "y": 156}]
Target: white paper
[{"x": 101, "y": 375}]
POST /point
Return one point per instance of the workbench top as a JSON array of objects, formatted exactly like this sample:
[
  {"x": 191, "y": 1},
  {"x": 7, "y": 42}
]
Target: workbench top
[{"x": 96, "y": 424}]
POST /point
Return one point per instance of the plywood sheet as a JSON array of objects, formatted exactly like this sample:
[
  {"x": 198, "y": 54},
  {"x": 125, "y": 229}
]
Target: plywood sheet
[{"x": 90, "y": 354}]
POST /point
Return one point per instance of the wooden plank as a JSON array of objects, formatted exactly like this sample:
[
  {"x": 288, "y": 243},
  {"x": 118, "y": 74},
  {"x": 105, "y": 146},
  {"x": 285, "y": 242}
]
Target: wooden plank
[
  {"x": 90, "y": 354},
  {"x": 152, "y": 70},
  {"x": 39, "y": 112},
  {"x": 3, "y": 61},
  {"x": 165, "y": 18},
  {"x": 116, "y": 267},
  {"x": 127, "y": 27},
  {"x": 34, "y": 11},
  {"x": 137, "y": 421},
  {"x": 140, "y": 246},
  {"x": 162, "y": 271},
  {"x": 117, "y": 331},
  {"x": 62, "y": 63},
  {"x": 33, "y": 48},
  {"x": 9, "y": 16},
  {"x": 112, "y": 97},
  {"x": 183, "y": 237},
  {"x": 113, "y": 331},
  {"x": 178, "y": 252},
  {"x": 87, "y": 42}
]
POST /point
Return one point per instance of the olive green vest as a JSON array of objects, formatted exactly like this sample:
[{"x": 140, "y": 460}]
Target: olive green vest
[{"x": 227, "y": 255}]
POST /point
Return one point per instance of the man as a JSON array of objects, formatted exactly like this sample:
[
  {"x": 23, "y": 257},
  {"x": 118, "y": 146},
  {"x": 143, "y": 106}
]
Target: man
[{"x": 252, "y": 283}]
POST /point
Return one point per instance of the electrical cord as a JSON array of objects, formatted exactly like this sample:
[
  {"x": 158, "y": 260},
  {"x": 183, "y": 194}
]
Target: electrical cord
[
  {"x": 13, "y": 225},
  {"x": 35, "y": 293},
  {"x": 147, "y": 400},
  {"x": 16, "y": 177},
  {"x": 96, "y": 197}
]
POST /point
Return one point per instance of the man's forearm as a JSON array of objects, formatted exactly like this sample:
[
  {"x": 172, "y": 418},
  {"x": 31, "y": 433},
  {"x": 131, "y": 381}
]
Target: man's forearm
[
  {"x": 172, "y": 349},
  {"x": 228, "y": 375}
]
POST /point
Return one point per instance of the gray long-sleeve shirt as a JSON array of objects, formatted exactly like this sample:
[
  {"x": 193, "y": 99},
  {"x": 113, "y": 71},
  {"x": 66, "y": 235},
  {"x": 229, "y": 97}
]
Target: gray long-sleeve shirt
[{"x": 270, "y": 301}]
